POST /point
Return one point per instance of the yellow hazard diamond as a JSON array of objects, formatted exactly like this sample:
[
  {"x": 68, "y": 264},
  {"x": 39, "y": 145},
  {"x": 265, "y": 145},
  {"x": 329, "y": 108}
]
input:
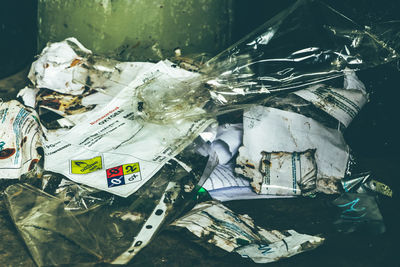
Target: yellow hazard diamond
[{"x": 131, "y": 168}]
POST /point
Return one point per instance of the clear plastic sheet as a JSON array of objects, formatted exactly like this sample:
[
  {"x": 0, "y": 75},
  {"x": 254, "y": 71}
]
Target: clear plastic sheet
[
  {"x": 359, "y": 212},
  {"x": 365, "y": 183},
  {"x": 105, "y": 228},
  {"x": 307, "y": 44},
  {"x": 358, "y": 205}
]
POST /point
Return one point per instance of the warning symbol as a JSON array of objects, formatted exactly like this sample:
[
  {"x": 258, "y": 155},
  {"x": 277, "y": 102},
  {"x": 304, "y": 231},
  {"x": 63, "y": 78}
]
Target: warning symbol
[
  {"x": 123, "y": 174},
  {"x": 116, "y": 171},
  {"x": 86, "y": 166},
  {"x": 131, "y": 168},
  {"x": 116, "y": 181}
]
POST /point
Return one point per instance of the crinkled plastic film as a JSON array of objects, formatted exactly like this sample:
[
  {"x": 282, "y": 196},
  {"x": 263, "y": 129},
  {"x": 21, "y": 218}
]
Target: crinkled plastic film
[
  {"x": 306, "y": 44},
  {"x": 108, "y": 230}
]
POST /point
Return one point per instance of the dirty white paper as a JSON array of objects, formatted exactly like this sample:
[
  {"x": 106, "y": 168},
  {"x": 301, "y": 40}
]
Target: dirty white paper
[
  {"x": 288, "y": 244},
  {"x": 238, "y": 233},
  {"x": 57, "y": 66},
  {"x": 342, "y": 104},
  {"x": 279, "y": 173},
  {"x": 28, "y": 96},
  {"x": 227, "y": 142},
  {"x": 273, "y": 130},
  {"x": 224, "y": 185},
  {"x": 115, "y": 151},
  {"x": 19, "y": 139}
]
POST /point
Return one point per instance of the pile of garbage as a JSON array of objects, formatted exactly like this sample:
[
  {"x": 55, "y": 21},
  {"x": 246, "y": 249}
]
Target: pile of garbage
[{"x": 105, "y": 154}]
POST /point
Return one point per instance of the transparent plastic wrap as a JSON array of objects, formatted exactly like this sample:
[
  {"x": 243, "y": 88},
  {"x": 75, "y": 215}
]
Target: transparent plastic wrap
[
  {"x": 307, "y": 44},
  {"x": 359, "y": 212},
  {"x": 106, "y": 228},
  {"x": 309, "y": 47},
  {"x": 358, "y": 205}
]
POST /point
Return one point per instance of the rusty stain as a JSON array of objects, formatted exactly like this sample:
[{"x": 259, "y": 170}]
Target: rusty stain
[
  {"x": 23, "y": 141},
  {"x": 251, "y": 166},
  {"x": 46, "y": 65},
  {"x": 32, "y": 164},
  {"x": 6, "y": 153},
  {"x": 17, "y": 193},
  {"x": 266, "y": 162},
  {"x": 75, "y": 62}
]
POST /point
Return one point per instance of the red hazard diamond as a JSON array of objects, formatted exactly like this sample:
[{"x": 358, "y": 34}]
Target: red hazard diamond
[{"x": 116, "y": 171}]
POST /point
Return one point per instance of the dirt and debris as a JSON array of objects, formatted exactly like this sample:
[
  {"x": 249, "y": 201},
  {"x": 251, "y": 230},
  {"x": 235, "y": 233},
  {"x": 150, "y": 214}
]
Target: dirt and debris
[{"x": 131, "y": 162}]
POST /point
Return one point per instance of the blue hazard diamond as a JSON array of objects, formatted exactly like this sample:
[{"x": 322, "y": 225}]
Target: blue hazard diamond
[{"x": 116, "y": 181}]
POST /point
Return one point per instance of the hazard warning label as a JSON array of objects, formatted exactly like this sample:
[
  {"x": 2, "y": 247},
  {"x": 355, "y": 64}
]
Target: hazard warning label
[
  {"x": 123, "y": 174},
  {"x": 86, "y": 166}
]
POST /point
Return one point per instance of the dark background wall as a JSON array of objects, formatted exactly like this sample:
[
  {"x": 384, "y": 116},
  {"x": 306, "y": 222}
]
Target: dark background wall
[{"x": 17, "y": 34}]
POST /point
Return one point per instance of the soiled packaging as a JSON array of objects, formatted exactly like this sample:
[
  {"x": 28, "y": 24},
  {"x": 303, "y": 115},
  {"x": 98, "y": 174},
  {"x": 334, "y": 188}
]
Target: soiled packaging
[
  {"x": 116, "y": 150},
  {"x": 19, "y": 139},
  {"x": 280, "y": 173},
  {"x": 214, "y": 223},
  {"x": 269, "y": 130},
  {"x": 107, "y": 228}
]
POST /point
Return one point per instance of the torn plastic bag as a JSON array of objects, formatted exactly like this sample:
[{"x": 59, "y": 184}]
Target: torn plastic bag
[
  {"x": 115, "y": 150},
  {"x": 359, "y": 212},
  {"x": 113, "y": 230},
  {"x": 215, "y": 224},
  {"x": 358, "y": 205},
  {"x": 80, "y": 197},
  {"x": 364, "y": 183},
  {"x": 309, "y": 43},
  {"x": 19, "y": 139},
  {"x": 164, "y": 98},
  {"x": 269, "y": 130}
]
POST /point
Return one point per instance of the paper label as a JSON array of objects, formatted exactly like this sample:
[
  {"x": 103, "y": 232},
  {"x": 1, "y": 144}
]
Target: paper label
[
  {"x": 122, "y": 140},
  {"x": 124, "y": 174},
  {"x": 86, "y": 166}
]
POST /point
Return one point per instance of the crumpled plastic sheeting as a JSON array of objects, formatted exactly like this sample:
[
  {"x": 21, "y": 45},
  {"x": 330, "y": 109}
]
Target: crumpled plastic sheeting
[
  {"x": 19, "y": 139},
  {"x": 306, "y": 44},
  {"x": 358, "y": 205},
  {"x": 359, "y": 212},
  {"x": 111, "y": 231},
  {"x": 213, "y": 223}
]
